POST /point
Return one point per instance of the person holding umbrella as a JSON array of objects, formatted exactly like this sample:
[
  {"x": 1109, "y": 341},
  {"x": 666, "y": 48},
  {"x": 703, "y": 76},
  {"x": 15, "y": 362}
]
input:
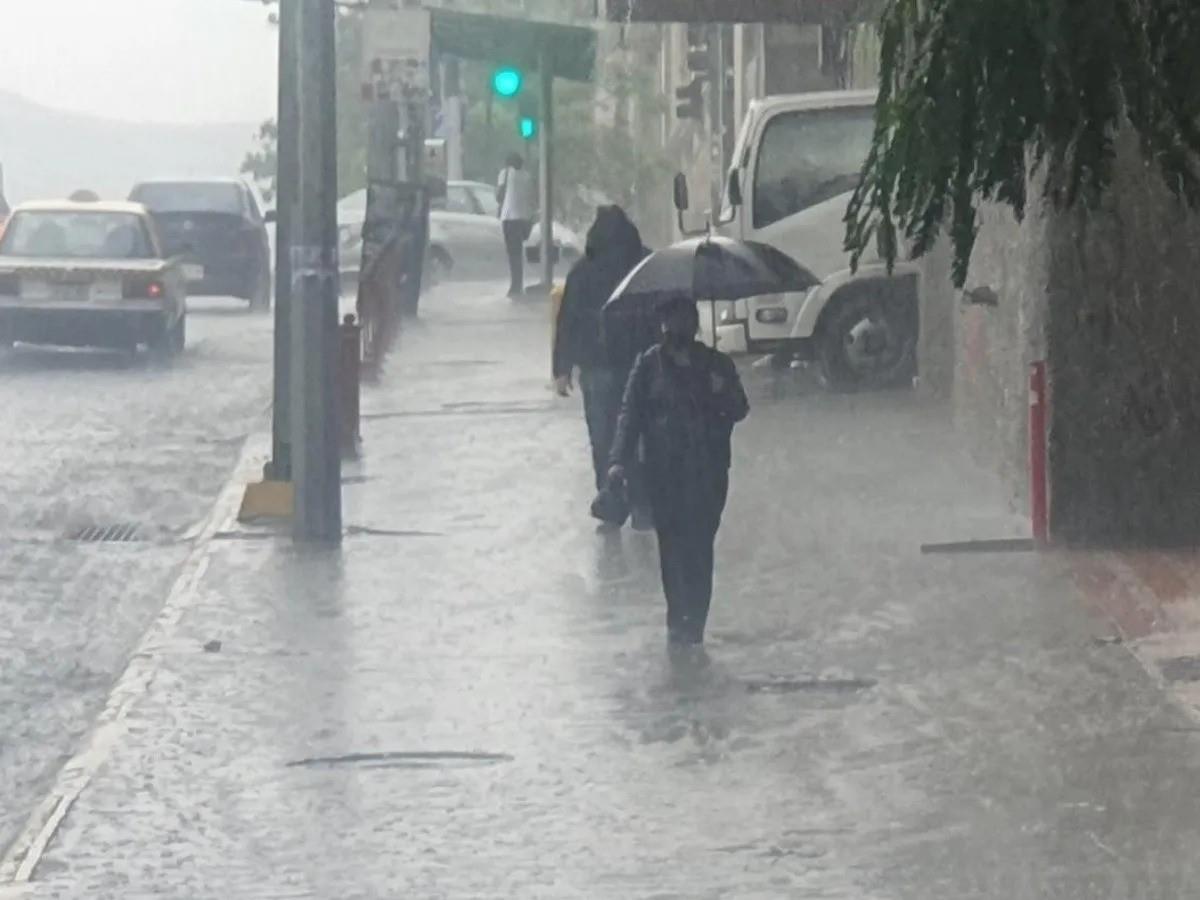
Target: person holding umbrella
[{"x": 683, "y": 399}]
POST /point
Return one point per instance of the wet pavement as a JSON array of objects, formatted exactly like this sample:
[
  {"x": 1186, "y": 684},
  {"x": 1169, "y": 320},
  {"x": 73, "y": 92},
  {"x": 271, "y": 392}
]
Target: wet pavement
[
  {"x": 473, "y": 697},
  {"x": 93, "y": 440}
]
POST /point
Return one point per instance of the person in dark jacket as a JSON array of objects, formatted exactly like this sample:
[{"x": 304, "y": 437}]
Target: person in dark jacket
[
  {"x": 613, "y": 248},
  {"x": 682, "y": 400}
]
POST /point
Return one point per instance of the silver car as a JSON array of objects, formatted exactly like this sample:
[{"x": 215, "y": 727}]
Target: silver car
[{"x": 466, "y": 241}]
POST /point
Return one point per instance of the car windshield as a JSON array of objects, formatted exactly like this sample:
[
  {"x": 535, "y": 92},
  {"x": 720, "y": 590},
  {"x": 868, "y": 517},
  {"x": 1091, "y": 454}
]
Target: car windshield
[
  {"x": 809, "y": 157},
  {"x": 457, "y": 200},
  {"x": 76, "y": 235},
  {"x": 191, "y": 197}
]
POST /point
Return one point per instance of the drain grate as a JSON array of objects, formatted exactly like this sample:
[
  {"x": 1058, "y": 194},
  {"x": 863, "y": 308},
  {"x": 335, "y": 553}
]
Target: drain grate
[{"x": 119, "y": 533}]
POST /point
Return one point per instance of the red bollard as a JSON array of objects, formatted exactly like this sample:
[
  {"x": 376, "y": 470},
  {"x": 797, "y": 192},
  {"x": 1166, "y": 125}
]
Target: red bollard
[
  {"x": 1039, "y": 488},
  {"x": 349, "y": 384}
]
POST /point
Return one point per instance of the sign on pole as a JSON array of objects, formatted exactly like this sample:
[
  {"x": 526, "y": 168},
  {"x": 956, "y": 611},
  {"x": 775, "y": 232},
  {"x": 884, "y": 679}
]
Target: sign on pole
[{"x": 397, "y": 35}]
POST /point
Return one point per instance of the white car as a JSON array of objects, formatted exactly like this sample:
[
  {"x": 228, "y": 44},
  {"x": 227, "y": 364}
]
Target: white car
[{"x": 466, "y": 240}]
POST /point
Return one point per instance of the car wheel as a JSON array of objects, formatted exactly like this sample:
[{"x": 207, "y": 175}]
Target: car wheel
[
  {"x": 261, "y": 301},
  {"x": 438, "y": 266},
  {"x": 867, "y": 342},
  {"x": 171, "y": 340}
]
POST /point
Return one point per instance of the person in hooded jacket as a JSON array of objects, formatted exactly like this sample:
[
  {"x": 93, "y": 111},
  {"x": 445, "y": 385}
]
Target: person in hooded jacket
[
  {"x": 613, "y": 248},
  {"x": 682, "y": 400}
]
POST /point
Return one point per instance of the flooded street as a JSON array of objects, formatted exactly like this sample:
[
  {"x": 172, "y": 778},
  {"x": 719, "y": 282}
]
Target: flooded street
[
  {"x": 474, "y": 697},
  {"x": 148, "y": 449},
  {"x": 600, "y": 450}
]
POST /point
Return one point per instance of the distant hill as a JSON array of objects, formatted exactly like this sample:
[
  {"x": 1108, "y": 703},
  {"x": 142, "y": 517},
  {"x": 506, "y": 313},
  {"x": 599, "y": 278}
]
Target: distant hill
[{"x": 49, "y": 153}]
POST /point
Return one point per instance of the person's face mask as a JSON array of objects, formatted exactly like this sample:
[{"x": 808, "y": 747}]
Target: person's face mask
[{"x": 677, "y": 331}]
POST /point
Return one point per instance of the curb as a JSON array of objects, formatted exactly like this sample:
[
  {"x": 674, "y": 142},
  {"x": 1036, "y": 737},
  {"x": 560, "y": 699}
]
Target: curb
[
  {"x": 21, "y": 858},
  {"x": 1155, "y": 610}
]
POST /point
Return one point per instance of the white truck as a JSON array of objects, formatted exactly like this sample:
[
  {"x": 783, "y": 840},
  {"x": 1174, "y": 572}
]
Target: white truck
[{"x": 796, "y": 162}]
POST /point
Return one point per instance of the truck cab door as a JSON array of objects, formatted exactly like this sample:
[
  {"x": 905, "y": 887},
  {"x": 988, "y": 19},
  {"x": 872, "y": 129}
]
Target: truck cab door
[{"x": 802, "y": 167}]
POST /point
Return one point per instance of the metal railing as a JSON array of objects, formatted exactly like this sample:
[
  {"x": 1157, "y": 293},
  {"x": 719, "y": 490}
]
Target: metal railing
[{"x": 380, "y": 293}]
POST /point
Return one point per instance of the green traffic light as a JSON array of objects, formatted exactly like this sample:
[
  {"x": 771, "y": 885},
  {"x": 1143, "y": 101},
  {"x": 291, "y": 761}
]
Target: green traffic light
[
  {"x": 506, "y": 82},
  {"x": 528, "y": 127}
]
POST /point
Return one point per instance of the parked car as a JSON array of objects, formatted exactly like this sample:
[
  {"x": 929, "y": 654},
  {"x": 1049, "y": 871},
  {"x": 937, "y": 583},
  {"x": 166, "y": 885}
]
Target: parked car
[
  {"x": 466, "y": 240},
  {"x": 89, "y": 275},
  {"x": 218, "y": 227}
]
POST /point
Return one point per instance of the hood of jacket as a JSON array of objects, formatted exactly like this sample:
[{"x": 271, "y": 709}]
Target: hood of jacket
[{"x": 613, "y": 235}]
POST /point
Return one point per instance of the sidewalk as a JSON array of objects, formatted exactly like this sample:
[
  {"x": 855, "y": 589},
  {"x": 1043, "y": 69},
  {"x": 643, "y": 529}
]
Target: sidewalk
[{"x": 473, "y": 699}]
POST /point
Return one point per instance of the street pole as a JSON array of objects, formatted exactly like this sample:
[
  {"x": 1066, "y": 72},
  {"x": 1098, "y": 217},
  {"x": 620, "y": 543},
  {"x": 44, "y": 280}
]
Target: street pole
[
  {"x": 316, "y": 461},
  {"x": 286, "y": 191},
  {"x": 452, "y": 116},
  {"x": 416, "y": 224},
  {"x": 546, "y": 167},
  {"x": 717, "y": 85}
]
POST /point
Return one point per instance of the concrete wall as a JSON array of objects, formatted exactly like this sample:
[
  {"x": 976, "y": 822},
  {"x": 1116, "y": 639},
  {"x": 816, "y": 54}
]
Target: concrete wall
[
  {"x": 978, "y": 356},
  {"x": 1111, "y": 299},
  {"x": 1124, "y": 350}
]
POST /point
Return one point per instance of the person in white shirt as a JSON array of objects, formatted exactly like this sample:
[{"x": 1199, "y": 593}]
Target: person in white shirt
[{"x": 518, "y": 205}]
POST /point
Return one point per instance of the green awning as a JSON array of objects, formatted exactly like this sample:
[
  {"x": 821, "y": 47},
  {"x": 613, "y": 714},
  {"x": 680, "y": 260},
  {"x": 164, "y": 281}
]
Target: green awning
[
  {"x": 791, "y": 12},
  {"x": 570, "y": 50}
]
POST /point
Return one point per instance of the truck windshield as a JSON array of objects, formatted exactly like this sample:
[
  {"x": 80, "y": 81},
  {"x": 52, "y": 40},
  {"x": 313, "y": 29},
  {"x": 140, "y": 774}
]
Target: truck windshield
[
  {"x": 807, "y": 157},
  {"x": 73, "y": 235}
]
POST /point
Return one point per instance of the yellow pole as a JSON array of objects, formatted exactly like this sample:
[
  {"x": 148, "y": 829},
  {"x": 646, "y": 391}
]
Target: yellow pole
[{"x": 556, "y": 296}]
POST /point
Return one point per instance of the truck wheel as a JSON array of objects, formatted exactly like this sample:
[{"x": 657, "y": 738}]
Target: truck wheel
[{"x": 867, "y": 343}]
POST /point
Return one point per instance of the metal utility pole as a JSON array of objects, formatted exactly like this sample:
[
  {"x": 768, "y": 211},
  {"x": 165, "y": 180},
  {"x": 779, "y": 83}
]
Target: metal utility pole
[
  {"x": 316, "y": 461},
  {"x": 287, "y": 182},
  {"x": 716, "y": 84},
  {"x": 546, "y": 167},
  {"x": 416, "y": 220},
  {"x": 452, "y": 117}
]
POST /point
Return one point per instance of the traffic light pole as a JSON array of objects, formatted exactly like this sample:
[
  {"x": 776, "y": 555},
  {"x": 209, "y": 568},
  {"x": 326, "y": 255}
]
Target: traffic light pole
[
  {"x": 716, "y": 85},
  {"x": 286, "y": 189},
  {"x": 546, "y": 167},
  {"x": 316, "y": 460}
]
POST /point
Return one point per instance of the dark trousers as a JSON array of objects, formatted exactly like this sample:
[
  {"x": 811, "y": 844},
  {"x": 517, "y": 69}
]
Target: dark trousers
[
  {"x": 516, "y": 233},
  {"x": 601, "y": 403},
  {"x": 686, "y": 557}
]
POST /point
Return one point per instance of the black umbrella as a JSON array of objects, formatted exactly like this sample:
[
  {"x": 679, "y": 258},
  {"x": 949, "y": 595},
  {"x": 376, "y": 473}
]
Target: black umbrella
[{"x": 707, "y": 268}]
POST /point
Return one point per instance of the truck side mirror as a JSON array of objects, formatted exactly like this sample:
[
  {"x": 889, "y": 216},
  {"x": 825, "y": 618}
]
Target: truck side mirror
[
  {"x": 681, "y": 192},
  {"x": 735, "y": 188}
]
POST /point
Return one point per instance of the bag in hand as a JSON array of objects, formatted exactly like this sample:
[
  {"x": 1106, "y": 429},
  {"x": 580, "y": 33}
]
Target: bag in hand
[{"x": 611, "y": 504}]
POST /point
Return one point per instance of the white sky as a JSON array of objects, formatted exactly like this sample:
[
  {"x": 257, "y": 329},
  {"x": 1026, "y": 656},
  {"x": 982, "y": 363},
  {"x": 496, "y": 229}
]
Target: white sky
[{"x": 144, "y": 60}]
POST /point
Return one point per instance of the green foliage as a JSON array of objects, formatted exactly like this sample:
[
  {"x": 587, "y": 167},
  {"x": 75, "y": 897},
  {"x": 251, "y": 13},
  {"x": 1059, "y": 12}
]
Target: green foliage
[
  {"x": 594, "y": 156},
  {"x": 976, "y": 95},
  {"x": 606, "y": 154},
  {"x": 261, "y": 162}
]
